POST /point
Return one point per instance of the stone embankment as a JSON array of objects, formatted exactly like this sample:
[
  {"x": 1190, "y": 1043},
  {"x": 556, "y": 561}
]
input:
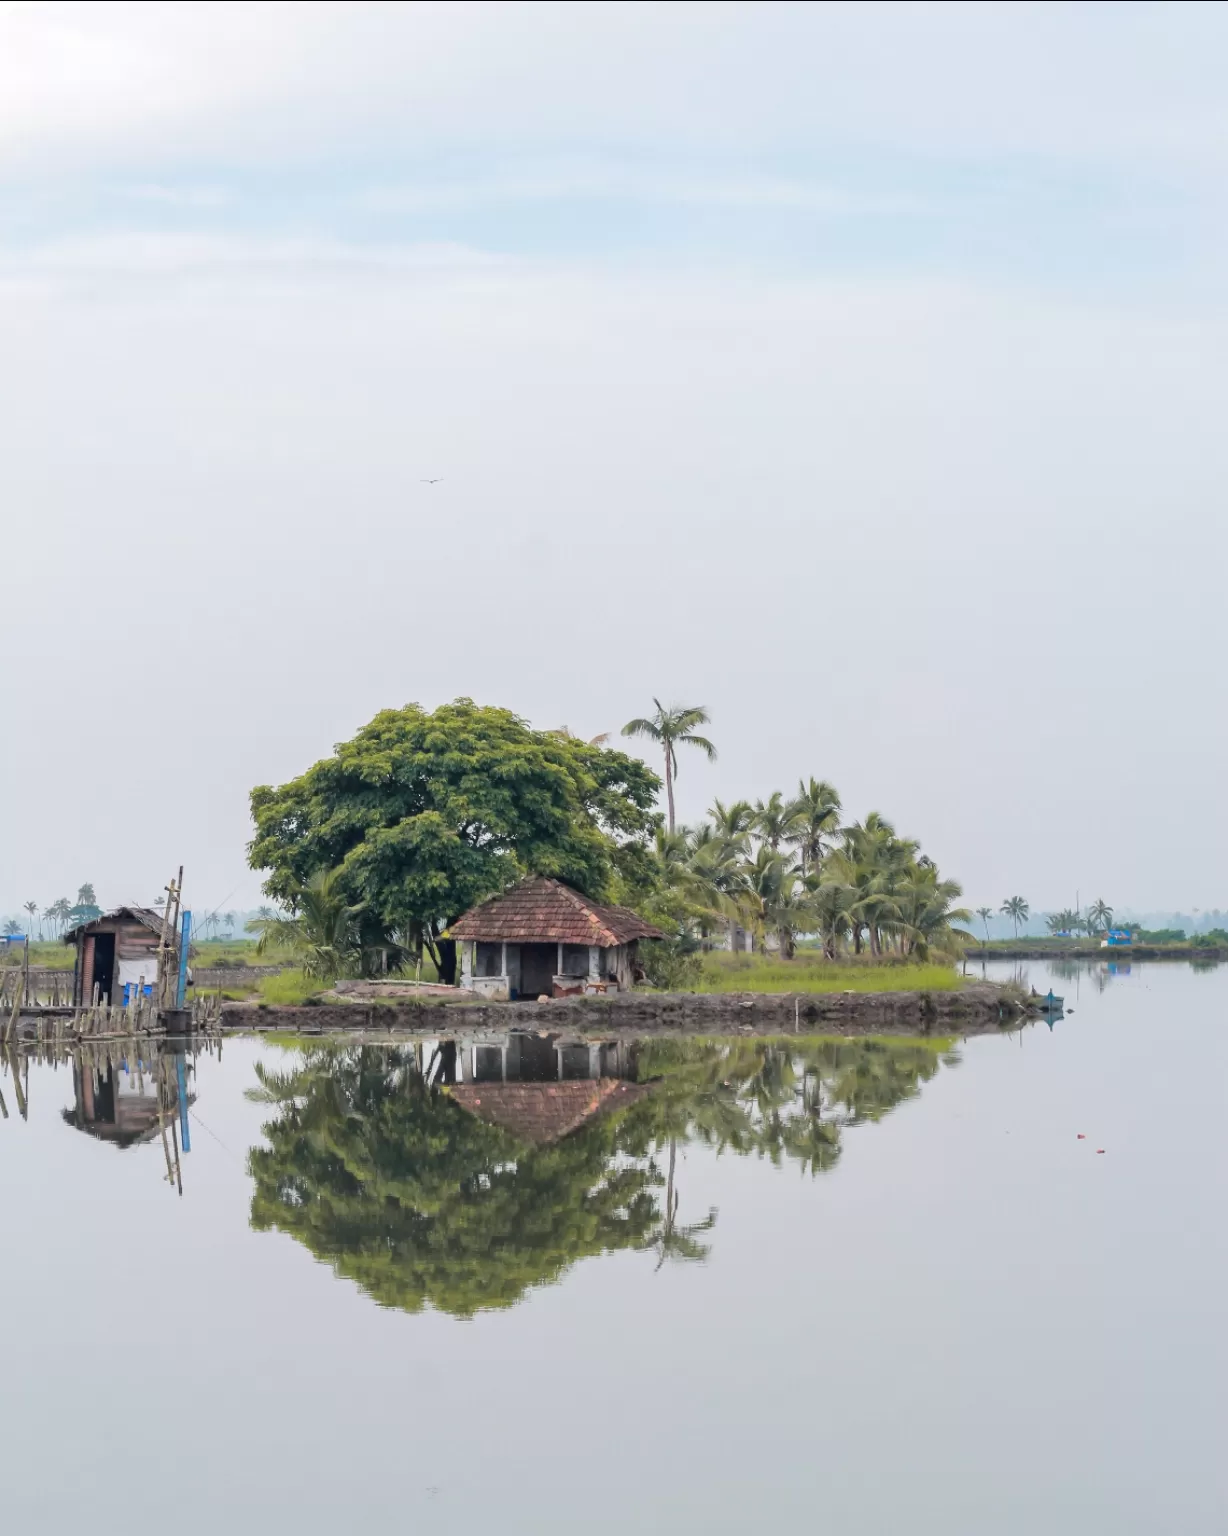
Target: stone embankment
[{"x": 976, "y": 1007}]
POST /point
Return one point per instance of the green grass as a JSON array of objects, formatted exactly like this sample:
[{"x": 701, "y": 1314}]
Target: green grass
[
  {"x": 289, "y": 988},
  {"x": 50, "y": 955},
  {"x": 723, "y": 972}
]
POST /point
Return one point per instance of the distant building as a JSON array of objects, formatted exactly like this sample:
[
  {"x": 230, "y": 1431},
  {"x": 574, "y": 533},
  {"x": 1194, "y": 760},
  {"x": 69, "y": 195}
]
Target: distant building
[
  {"x": 1116, "y": 938},
  {"x": 544, "y": 939},
  {"x": 118, "y": 947}
]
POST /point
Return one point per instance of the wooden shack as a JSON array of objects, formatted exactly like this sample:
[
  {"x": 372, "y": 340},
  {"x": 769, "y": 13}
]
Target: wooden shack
[{"x": 118, "y": 947}]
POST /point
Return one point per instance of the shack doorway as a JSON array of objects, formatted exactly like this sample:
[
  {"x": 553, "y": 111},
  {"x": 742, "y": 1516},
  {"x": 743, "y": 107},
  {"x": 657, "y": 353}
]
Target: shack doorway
[
  {"x": 104, "y": 966},
  {"x": 537, "y": 963}
]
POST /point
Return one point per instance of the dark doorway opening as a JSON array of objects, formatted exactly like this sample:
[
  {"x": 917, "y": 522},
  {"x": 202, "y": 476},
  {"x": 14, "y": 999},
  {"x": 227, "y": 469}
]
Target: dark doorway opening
[
  {"x": 537, "y": 963},
  {"x": 538, "y": 1062},
  {"x": 104, "y": 966}
]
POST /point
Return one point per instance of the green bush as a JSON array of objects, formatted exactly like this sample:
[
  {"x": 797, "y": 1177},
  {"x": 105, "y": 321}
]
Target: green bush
[{"x": 671, "y": 965}]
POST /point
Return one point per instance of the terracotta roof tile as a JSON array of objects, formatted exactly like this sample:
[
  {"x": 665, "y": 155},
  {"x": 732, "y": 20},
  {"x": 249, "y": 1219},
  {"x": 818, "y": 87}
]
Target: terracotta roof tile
[
  {"x": 544, "y": 911},
  {"x": 542, "y": 1113}
]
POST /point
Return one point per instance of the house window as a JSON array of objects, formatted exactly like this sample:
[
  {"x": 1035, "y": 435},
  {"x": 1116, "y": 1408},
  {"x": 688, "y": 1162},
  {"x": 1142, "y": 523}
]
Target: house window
[
  {"x": 489, "y": 960},
  {"x": 575, "y": 960}
]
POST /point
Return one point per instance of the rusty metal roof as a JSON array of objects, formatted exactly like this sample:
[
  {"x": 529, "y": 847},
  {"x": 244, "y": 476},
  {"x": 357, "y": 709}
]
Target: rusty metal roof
[{"x": 545, "y": 911}]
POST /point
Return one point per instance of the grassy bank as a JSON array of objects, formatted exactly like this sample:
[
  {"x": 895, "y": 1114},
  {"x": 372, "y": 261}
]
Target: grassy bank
[{"x": 723, "y": 972}]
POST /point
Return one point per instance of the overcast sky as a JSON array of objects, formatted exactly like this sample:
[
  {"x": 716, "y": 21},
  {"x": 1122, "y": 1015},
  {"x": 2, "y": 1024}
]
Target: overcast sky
[{"x": 858, "y": 372}]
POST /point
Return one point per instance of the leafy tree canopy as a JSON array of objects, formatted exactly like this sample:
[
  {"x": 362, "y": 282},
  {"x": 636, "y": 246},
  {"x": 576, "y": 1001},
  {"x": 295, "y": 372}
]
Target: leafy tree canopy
[{"x": 424, "y": 814}]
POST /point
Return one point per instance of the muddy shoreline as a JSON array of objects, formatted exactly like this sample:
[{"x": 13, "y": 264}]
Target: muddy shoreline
[{"x": 979, "y": 1007}]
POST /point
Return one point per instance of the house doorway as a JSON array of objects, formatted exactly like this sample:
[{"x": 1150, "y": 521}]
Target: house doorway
[
  {"x": 104, "y": 966},
  {"x": 537, "y": 963}
]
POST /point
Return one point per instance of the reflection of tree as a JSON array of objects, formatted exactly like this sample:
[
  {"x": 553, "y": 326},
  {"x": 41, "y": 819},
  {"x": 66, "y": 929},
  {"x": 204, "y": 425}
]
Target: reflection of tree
[
  {"x": 419, "y": 1200},
  {"x": 779, "y": 1098}
]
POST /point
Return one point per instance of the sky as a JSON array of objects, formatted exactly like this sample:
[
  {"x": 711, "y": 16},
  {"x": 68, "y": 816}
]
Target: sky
[{"x": 854, "y": 371}]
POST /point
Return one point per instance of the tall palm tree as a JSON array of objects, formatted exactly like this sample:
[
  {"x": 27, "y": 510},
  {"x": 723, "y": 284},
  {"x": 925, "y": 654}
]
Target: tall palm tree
[
  {"x": 1100, "y": 914},
  {"x": 985, "y": 913},
  {"x": 672, "y": 728},
  {"x": 815, "y": 813},
  {"x": 1016, "y": 909},
  {"x": 32, "y": 908}
]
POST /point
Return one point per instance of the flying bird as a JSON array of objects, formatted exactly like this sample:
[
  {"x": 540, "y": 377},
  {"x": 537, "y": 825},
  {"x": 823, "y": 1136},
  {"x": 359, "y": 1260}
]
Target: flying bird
[{"x": 435, "y": 481}]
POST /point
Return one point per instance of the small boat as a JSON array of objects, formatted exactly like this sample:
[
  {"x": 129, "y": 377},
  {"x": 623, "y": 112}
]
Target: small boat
[{"x": 1046, "y": 1002}]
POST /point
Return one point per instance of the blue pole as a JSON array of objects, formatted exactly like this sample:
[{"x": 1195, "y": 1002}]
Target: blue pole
[
  {"x": 184, "y": 938},
  {"x": 184, "y": 1135}
]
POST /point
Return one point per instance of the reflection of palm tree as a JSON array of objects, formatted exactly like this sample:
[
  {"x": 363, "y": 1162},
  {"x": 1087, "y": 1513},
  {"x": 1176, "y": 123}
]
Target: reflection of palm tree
[{"x": 670, "y": 1240}]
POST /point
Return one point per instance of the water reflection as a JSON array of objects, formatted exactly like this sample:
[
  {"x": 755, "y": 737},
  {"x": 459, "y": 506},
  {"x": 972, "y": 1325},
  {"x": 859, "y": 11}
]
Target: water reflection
[
  {"x": 125, "y": 1092},
  {"x": 461, "y": 1175}
]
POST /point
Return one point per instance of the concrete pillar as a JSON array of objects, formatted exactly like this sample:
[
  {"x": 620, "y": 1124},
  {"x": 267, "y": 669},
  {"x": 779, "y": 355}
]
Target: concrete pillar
[
  {"x": 467, "y": 952},
  {"x": 594, "y": 963},
  {"x": 558, "y": 964},
  {"x": 503, "y": 960}
]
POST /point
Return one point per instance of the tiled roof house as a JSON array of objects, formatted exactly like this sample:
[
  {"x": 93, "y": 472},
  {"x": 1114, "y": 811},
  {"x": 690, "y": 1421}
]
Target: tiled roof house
[{"x": 542, "y": 938}]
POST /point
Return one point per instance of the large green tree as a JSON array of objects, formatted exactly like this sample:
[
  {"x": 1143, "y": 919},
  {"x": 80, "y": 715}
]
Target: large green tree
[{"x": 425, "y": 813}]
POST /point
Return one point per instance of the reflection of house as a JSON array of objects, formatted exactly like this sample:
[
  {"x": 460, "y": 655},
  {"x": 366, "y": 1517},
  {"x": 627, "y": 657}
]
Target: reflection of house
[
  {"x": 120, "y": 1103},
  {"x": 542, "y": 1087},
  {"x": 522, "y": 1058},
  {"x": 541, "y": 938},
  {"x": 118, "y": 947}
]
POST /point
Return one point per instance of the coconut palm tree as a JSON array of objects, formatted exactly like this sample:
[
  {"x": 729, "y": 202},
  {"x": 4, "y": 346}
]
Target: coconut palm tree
[
  {"x": 323, "y": 932},
  {"x": 831, "y": 902},
  {"x": 671, "y": 728},
  {"x": 985, "y": 913},
  {"x": 815, "y": 814},
  {"x": 735, "y": 821},
  {"x": 32, "y": 908},
  {"x": 1100, "y": 914},
  {"x": 764, "y": 878},
  {"x": 1016, "y": 909},
  {"x": 774, "y": 820}
]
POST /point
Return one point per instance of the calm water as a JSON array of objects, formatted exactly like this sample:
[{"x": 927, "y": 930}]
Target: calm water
[{"x": 886, "y": 1288}]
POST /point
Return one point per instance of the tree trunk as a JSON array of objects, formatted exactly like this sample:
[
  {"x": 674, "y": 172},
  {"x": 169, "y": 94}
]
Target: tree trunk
[
  {"x": 669, "y": 784},
  {"x": 447, "y": 962}
]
